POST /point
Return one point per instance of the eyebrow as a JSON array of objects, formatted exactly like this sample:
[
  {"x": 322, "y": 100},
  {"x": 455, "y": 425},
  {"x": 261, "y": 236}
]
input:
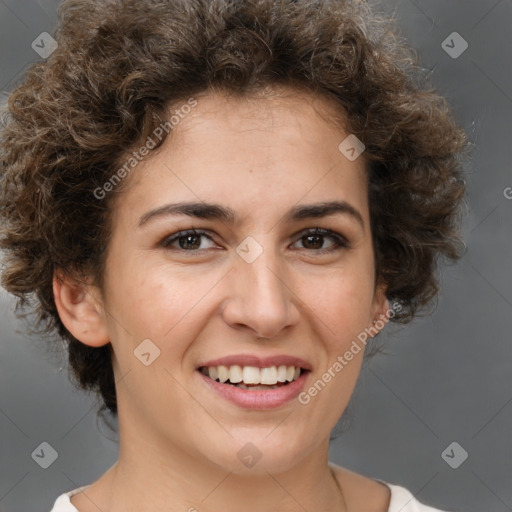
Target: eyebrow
[{"x": 215, "y": 211}]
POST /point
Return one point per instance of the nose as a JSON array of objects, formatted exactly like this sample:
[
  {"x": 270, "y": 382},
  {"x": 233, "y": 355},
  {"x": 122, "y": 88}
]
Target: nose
[{"x": 260, "y": 296}]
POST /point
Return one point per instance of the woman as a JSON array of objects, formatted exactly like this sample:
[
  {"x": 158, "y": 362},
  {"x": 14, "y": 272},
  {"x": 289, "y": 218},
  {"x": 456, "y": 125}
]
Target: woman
[{"x": 217, "y": 205}]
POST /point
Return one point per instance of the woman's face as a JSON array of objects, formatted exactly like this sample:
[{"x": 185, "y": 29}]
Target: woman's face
[{"x": 253, "y": 290}]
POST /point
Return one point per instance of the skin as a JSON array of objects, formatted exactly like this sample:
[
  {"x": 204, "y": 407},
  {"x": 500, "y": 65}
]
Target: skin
[{"x": 178, "y": 440}]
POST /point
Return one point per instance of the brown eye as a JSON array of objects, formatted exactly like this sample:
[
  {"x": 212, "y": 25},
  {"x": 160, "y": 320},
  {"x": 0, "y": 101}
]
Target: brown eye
[
  {"x": 313, "y": 239},
  {"x": 189, "y": 240}
]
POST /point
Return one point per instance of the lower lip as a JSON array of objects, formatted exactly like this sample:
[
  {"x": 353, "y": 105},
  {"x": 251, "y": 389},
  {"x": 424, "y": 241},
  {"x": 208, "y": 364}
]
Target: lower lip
[{"x": 261, "y": 399}]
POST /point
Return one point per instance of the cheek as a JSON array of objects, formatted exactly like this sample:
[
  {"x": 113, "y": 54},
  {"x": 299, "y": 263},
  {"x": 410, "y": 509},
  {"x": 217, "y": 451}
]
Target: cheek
[
  {"x": 161, "y": 303},
  {"x": 342, "y": 301}
]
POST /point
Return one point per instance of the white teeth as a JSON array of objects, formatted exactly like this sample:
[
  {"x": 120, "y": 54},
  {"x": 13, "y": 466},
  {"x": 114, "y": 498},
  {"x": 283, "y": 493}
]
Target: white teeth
[
  {"x": 235, "y": 374},
  {"x": 251, "y": 375},
  {"x": 258, "y": 377},
  {"x": 281, "y": 374},
  {"x": 223, "y": 373},
  {"x": 269, "y": 375}
]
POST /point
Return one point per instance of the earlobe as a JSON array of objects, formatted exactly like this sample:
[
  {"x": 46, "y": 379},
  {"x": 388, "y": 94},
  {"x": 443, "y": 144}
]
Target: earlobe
[
  {"x": 380, "y": 310},
  {"x": 79, "y": 311}
]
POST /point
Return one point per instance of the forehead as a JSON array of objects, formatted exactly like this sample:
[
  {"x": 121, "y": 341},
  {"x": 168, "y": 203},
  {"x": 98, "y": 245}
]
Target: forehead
[
  {"x": 277, "y": 147},
  {"x": 268, "y": 109}
]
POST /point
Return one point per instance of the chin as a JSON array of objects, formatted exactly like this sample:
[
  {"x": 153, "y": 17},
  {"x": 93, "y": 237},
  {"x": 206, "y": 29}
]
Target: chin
[{"x": 258, "y": 451}]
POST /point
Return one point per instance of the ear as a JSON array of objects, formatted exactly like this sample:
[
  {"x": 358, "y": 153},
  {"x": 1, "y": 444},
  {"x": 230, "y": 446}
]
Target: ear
[
  {"x": 380, "y": 310},
  {"x": 80, "y": 310}
]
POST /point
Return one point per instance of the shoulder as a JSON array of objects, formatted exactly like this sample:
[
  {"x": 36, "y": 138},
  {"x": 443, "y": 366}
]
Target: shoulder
[
  {"x": 365, "y": 493},
  {"x": 403, "y": 501},
  {"x": 361, "y": 492},
  {"x": 63, "y": 502}
]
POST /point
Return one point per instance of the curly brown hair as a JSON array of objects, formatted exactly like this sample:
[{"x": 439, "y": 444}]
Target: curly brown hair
[{"x": 120, "y": 65}]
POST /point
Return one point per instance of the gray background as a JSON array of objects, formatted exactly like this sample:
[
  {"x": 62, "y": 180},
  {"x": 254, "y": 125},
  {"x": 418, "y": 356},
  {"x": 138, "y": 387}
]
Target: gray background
[{"x": 445, "y": 378}]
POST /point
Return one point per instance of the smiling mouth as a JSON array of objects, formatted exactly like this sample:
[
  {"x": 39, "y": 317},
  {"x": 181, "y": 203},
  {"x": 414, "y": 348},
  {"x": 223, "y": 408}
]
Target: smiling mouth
[{"x": 252, "y": 377}]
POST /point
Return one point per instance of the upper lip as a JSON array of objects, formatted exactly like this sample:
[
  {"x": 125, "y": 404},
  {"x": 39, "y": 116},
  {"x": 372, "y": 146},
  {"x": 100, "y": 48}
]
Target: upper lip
[{"x": 258, "y": 361}]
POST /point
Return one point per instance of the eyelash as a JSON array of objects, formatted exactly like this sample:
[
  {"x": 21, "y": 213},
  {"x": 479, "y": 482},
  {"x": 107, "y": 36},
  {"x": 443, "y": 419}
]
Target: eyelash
[{"x": 340, "y": 242}]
